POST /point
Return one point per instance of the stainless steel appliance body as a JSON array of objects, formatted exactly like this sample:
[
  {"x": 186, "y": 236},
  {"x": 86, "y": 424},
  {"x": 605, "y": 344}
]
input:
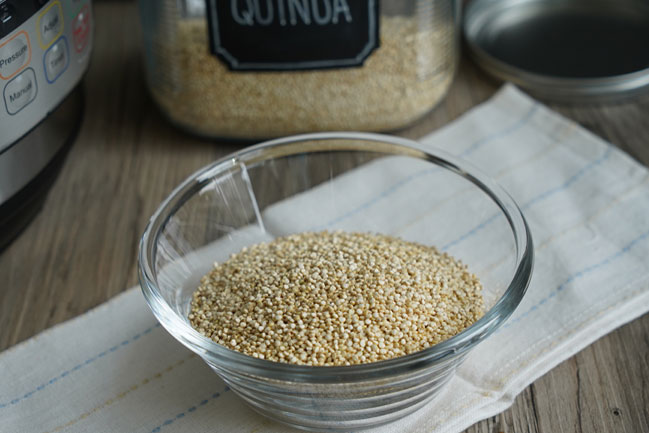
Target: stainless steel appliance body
[{"x": 45, "y": 49}]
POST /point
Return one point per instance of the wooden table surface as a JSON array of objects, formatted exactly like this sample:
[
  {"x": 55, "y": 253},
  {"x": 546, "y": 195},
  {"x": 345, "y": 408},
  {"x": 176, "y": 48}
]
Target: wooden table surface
[{"x": 81, "y": 249}]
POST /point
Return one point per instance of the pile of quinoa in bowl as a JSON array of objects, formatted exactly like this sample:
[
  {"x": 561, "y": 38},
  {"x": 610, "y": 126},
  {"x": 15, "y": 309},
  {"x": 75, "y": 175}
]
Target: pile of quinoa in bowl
[{"x": 331, "y": 299}]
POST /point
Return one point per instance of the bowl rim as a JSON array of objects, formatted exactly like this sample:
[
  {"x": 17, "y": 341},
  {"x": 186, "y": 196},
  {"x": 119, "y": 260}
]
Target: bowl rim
[{"x": 223, "y": 357}]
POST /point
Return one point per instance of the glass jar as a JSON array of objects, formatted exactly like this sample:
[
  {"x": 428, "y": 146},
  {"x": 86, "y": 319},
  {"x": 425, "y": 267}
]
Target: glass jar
[{"x": 253, "y": 69}]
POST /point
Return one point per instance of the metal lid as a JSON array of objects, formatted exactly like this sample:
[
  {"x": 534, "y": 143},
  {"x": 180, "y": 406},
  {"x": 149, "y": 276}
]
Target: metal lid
[{"x": 566, "y": 50}]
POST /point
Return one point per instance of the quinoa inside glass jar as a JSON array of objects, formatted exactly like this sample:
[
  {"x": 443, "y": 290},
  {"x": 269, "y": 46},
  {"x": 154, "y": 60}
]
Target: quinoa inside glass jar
[{"x": 251, "y": 69}]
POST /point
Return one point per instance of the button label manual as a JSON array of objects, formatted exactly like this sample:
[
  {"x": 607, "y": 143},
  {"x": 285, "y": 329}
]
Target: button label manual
[{"x": 20, "y": 91}]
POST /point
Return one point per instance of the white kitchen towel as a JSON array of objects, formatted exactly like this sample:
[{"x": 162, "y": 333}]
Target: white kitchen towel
[{"x": 115, "y": 369}]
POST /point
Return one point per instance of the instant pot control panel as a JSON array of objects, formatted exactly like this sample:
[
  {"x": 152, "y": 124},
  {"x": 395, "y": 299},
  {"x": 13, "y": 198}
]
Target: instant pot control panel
[{"x": 44, "y": 51}]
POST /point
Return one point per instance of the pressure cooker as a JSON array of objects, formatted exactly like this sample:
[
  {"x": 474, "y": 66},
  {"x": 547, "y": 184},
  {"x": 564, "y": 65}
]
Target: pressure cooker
[{"x": 44, "y": 52}]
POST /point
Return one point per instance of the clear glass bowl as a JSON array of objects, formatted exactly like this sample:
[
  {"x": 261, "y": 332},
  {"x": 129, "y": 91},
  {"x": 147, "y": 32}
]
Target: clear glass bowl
[{"x": 335, "y": 181}]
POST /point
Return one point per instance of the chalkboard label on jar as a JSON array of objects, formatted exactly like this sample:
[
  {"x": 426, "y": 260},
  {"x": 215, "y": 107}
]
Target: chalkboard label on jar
[{"x": 275, "y": 35}]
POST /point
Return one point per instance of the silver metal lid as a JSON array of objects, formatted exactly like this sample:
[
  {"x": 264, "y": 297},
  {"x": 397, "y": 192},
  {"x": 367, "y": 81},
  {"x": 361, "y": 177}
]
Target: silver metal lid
[{"x": 565, "y": 50}]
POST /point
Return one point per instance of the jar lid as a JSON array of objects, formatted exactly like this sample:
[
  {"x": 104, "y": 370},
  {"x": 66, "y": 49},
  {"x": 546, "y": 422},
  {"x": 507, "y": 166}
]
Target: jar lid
[{"x": 564, "y": 50}]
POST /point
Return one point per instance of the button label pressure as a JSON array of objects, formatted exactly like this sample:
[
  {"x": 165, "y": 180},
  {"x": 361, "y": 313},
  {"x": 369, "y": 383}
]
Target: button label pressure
[{"x": 15, "y": 55}]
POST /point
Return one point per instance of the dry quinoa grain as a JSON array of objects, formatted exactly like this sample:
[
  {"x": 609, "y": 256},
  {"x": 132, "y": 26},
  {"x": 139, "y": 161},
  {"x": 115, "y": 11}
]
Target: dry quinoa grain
[
  {"x": 335, "y": 299},
  {"x": 399, "y": 82}
]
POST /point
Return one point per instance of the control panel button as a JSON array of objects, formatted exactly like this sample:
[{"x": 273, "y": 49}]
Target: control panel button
[
  {"x": 81, "y": 29},
  {"x": 56, "y": 60},
  {"x": 50, "y": 24},
  {"x": 15, "y": 54},
  {"x": 20, "y": 91}
]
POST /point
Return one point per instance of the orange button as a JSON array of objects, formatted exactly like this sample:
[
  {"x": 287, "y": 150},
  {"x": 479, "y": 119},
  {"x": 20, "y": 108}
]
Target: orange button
[{"x": 15, "y": 55}]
